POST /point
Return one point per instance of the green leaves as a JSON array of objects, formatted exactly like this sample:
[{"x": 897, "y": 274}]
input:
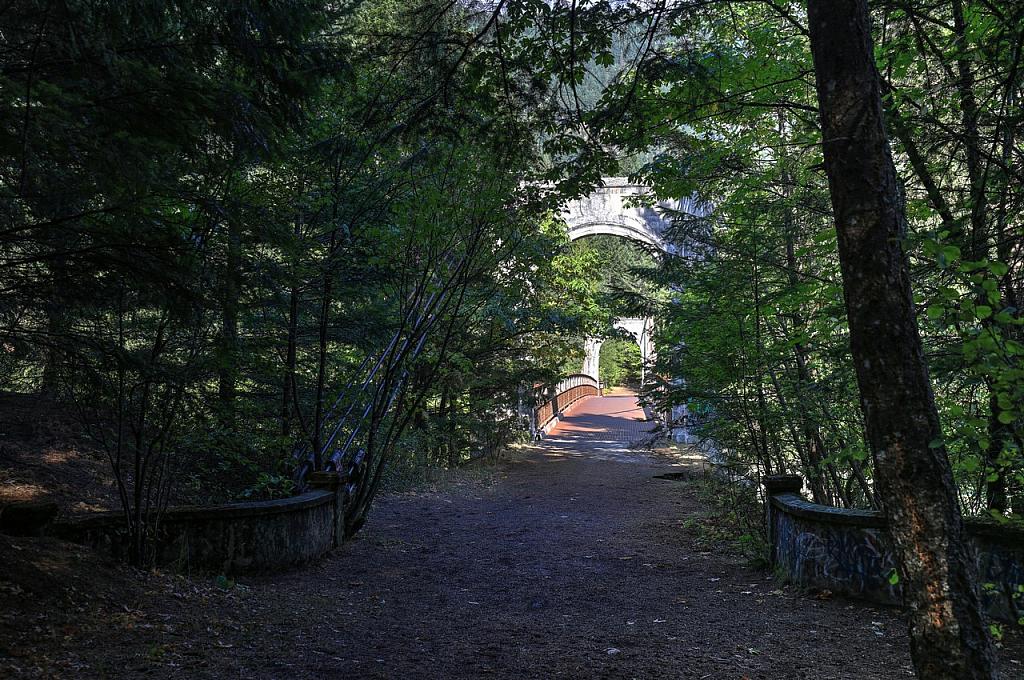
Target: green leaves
[
  {"x": 998, "y": 268},
  {"x": 945, "y": 254},
  {"x": 970, "y": 464}
]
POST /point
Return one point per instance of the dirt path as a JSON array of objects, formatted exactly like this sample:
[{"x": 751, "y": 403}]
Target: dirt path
[
  {"x": 573, "y": 565},
  {"x": 577, "y": 563}
]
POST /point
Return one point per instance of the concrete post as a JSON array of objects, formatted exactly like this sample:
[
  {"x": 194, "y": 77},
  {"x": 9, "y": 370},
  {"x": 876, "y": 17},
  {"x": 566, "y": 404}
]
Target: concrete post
[
  {"x": 592, "y": 357},
  {"x": 775, "y": 485},
  {"x": 333, "y": 482}
]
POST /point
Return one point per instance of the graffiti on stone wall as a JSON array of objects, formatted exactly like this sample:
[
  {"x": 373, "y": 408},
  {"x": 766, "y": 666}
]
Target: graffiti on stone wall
[
  {"x": 859, "y": 561},
  {"x": 850, "y": 560},
  {"x": 1001, "y": 574}
]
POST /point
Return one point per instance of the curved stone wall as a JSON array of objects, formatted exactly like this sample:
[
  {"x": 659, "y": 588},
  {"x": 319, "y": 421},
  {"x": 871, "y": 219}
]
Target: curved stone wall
[
  {"x": 850, "y": 552},
  {"x": 237, "y": 538}
]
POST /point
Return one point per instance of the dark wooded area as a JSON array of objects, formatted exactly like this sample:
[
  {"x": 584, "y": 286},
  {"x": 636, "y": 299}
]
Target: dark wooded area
[{"x": 246, "y": 243}]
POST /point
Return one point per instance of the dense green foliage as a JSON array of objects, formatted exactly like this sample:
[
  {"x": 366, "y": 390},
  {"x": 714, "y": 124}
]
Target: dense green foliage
[
  {"x": 215, "y": 218},
  {"x": 759, "y": 320},
  {"x": 620, "y": 363}
]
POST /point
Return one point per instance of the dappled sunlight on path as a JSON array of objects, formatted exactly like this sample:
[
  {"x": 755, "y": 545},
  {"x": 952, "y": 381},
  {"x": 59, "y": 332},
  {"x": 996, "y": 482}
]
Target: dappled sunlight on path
[
  {"x": 583, "y": 557},
  {"x": 612, "y": 427}
]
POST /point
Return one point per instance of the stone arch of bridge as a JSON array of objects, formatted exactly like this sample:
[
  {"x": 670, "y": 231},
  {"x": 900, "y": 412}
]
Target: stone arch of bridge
[
  {"x": 639, "y": 328},
  {"x": 611, "y": 210},
  {"x": 633, "y": 230}
]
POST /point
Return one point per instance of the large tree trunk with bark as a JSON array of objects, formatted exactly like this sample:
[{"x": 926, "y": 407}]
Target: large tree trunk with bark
[{"x": 915, "y": 484}]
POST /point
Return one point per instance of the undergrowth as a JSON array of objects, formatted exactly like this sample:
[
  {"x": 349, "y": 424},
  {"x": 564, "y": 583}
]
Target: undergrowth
[{"x": 736, "y": 519}]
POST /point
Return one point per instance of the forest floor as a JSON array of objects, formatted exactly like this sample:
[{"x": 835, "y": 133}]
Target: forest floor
[
  {"x": 574, "y": 559},
  {"x": 43, "y": 457}
]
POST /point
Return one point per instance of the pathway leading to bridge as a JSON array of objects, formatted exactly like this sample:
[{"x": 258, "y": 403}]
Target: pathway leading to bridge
[{"x": 574, "y": 562}]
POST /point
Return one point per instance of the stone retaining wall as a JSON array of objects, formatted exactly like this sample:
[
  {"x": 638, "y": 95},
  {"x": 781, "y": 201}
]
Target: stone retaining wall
[
  {"x": 237, "y": 538},
  {"x": 849, "y": 551}
]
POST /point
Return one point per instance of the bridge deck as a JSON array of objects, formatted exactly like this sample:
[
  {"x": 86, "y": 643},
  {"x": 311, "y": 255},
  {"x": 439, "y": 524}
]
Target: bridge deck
[{"x": 610, "y": 423}]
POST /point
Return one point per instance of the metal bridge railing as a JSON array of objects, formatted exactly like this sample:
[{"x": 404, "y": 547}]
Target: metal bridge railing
[{"x": 556, "y": 400}]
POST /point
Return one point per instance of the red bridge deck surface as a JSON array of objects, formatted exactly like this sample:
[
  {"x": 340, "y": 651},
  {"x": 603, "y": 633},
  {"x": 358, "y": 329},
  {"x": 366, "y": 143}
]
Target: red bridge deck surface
[{"x": 610, "y": 420}]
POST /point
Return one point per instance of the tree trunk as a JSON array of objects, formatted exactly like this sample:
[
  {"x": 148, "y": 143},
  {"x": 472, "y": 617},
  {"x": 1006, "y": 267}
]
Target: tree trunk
[
  {"x": 997, "y": 492},
  {"x": 915, "y": 483},
  {"x": 56, "y": 309},
  {"x": 289, "y": 388},
  {"x": 977, "y": 242},
  {"x": 227, "y": 371},
  {"x": 321, "y": 370},
  {"x": 812, "y": 438}
]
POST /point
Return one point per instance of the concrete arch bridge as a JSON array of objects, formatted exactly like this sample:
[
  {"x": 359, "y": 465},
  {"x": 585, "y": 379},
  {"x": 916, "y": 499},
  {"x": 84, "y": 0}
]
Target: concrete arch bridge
[{"x": 616, "y": 208}]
